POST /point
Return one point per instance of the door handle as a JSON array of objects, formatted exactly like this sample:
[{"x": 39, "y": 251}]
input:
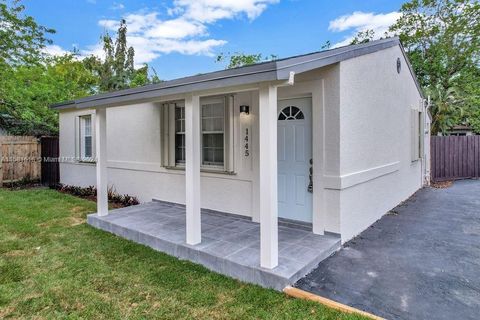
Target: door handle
[{"x": 310, "y": 176}]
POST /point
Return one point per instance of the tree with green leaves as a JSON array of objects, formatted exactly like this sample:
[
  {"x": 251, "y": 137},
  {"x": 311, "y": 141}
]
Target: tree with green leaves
[
  {"x": 27, "y": 91},
  {"x": 236, "y": 60},
  {"x": 442, "y": 39},
  {"x": 117, "y": 70},
  {"x": 472, "y": 99},
  {"x": 21, "y": 42},
  {"x": 363, "y": 37},
  {"x": 30, "y": 81},
  {"x": 21, "y": 38},
  {"x": 446, "y": 108}
]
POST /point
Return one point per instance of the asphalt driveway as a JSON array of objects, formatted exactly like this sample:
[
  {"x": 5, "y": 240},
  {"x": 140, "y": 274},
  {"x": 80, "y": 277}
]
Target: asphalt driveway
[{"x": 421, "y": 261}]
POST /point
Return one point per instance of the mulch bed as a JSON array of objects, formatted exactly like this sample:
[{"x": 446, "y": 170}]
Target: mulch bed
[{"x": 441, "y": 184}]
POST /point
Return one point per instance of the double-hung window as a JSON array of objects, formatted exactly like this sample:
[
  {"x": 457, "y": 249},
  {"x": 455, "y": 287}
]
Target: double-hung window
[
  {"x": 213, "y": 133},
  {"x": 179, "y": 135},
  {"x": 417, "y": 134},
  {"x": 216, "y": 138},
  {"x": 86, "y": 140}
]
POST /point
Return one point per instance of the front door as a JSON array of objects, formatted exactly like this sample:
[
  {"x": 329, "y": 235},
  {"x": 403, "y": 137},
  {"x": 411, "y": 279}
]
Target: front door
[{"x": 294, "y": 159}]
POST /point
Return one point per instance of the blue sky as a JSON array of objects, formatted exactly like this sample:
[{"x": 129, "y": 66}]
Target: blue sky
[{"x": 182, "y": 37}]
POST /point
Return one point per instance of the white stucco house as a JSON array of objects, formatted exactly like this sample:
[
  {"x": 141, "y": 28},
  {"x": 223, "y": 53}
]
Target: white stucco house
[{"x": 332, "y": 140}]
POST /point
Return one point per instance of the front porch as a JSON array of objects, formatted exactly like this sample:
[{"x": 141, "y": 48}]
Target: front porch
[{"x": 230, "y": 244}]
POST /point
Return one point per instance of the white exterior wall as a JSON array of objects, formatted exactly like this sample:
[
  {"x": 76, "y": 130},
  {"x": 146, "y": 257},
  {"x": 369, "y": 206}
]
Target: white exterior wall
[
  {"x": 361, "y": 147},
  {"x": 134, "y": 154},
  {"x": 426, "y": 143},
  {"x": 376, "y": 171},
  {"x": 323, "y": 86}
]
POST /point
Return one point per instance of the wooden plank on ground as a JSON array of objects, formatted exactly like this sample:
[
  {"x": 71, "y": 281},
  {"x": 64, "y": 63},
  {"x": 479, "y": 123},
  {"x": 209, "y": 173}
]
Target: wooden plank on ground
[{"x": 301, "y": 294}]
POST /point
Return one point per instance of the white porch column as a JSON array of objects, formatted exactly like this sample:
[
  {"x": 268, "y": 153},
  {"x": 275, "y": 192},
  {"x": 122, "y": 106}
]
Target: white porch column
[
  {"x": 192, "y": 169},
  {"x": 318, "y": 118},
  {"x": 268, "y": 177},
  {"x": 101, "y": 155}
]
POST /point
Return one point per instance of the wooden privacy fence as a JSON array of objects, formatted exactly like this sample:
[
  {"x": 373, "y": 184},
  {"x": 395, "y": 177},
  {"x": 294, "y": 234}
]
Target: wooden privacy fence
[
  {"x": 455, "y": 157},
  {"x": 20, "y": 158}
]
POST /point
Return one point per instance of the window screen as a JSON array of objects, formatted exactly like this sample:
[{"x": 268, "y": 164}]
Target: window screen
[
  {"x": 179, "y": 134},
  {"x": 86, "y": 136},
  {"x": 213, "y": 132},
  {"x": 214, "y": 120}
]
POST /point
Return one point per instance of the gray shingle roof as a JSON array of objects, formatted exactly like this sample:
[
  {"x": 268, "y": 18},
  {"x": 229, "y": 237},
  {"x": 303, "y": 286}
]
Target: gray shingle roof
[{"x": 267, "y": 71}]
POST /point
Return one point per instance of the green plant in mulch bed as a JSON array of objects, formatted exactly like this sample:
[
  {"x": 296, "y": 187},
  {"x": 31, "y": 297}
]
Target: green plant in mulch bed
[
  {"x": 90, "y": 193},
  {"x": 24, "y": 183}
]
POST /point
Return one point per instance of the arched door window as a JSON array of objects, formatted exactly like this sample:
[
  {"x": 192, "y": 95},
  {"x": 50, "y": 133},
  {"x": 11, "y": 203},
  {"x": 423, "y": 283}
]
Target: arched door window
[{"x": 291, "y": 113}]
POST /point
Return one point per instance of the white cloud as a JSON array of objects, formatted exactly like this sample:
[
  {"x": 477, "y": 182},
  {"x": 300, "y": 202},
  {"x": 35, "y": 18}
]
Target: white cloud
[
  {"x": 54, "y": 50},
  {"x": 96, "y": 50},
  {"x": 364, "y": 20},
  {"x": 108, "y": 24},
  {"x": 209, "y": 11},
  {"x": 176, "y": 29},
  {"x": 117, "y": 6},
  {"x": 185, "y": 30},
  {"x": 361, "y": 21}
]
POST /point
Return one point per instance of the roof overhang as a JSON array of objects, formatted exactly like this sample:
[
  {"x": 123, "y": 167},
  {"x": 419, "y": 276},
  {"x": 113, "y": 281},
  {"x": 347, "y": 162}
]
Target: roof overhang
[{"x": 278, "y": 70}]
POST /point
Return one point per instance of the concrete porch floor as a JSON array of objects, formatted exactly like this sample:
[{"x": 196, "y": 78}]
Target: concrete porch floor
[{"x": 230, "y": 244}]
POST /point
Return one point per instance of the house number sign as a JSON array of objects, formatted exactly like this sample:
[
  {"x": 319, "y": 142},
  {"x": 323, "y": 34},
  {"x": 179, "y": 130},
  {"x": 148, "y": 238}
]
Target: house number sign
[{"x": 246, "y": 146}]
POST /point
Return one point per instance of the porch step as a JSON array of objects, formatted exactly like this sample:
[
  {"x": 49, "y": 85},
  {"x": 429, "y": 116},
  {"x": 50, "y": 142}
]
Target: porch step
[{"x": 230, "y": 245}]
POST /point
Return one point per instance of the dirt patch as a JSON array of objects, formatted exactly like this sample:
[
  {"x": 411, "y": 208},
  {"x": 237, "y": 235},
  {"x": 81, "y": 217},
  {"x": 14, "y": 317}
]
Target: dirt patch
[
  {"x": 68, "y": 222},
  {"x": 45, "y": 224},
  {"x": 5, "y": 312},
  {"x": 74, "y": 221},
  {"x": 77, "y": 209},
  {"x": 442, "y": 184}
]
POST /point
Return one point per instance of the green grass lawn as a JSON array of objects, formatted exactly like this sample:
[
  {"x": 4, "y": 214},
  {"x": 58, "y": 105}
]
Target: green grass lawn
[{"x": 53, "y": 265}]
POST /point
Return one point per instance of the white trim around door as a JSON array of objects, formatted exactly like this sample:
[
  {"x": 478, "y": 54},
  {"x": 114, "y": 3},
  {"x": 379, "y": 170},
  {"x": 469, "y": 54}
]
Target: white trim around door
[{"x": 294, "y": 140}]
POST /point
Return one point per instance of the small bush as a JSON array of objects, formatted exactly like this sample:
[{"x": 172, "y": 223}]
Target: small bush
[
  {"x": 24, "y": 183},
  {"x": 90, "y": 192}
]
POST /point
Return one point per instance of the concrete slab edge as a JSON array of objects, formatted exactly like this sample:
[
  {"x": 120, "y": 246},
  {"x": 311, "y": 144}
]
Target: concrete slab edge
[
  {"x": 314, "y": 263},
  {"x": 301, "y": 294},
  {"x": 231, "y": 269}
]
